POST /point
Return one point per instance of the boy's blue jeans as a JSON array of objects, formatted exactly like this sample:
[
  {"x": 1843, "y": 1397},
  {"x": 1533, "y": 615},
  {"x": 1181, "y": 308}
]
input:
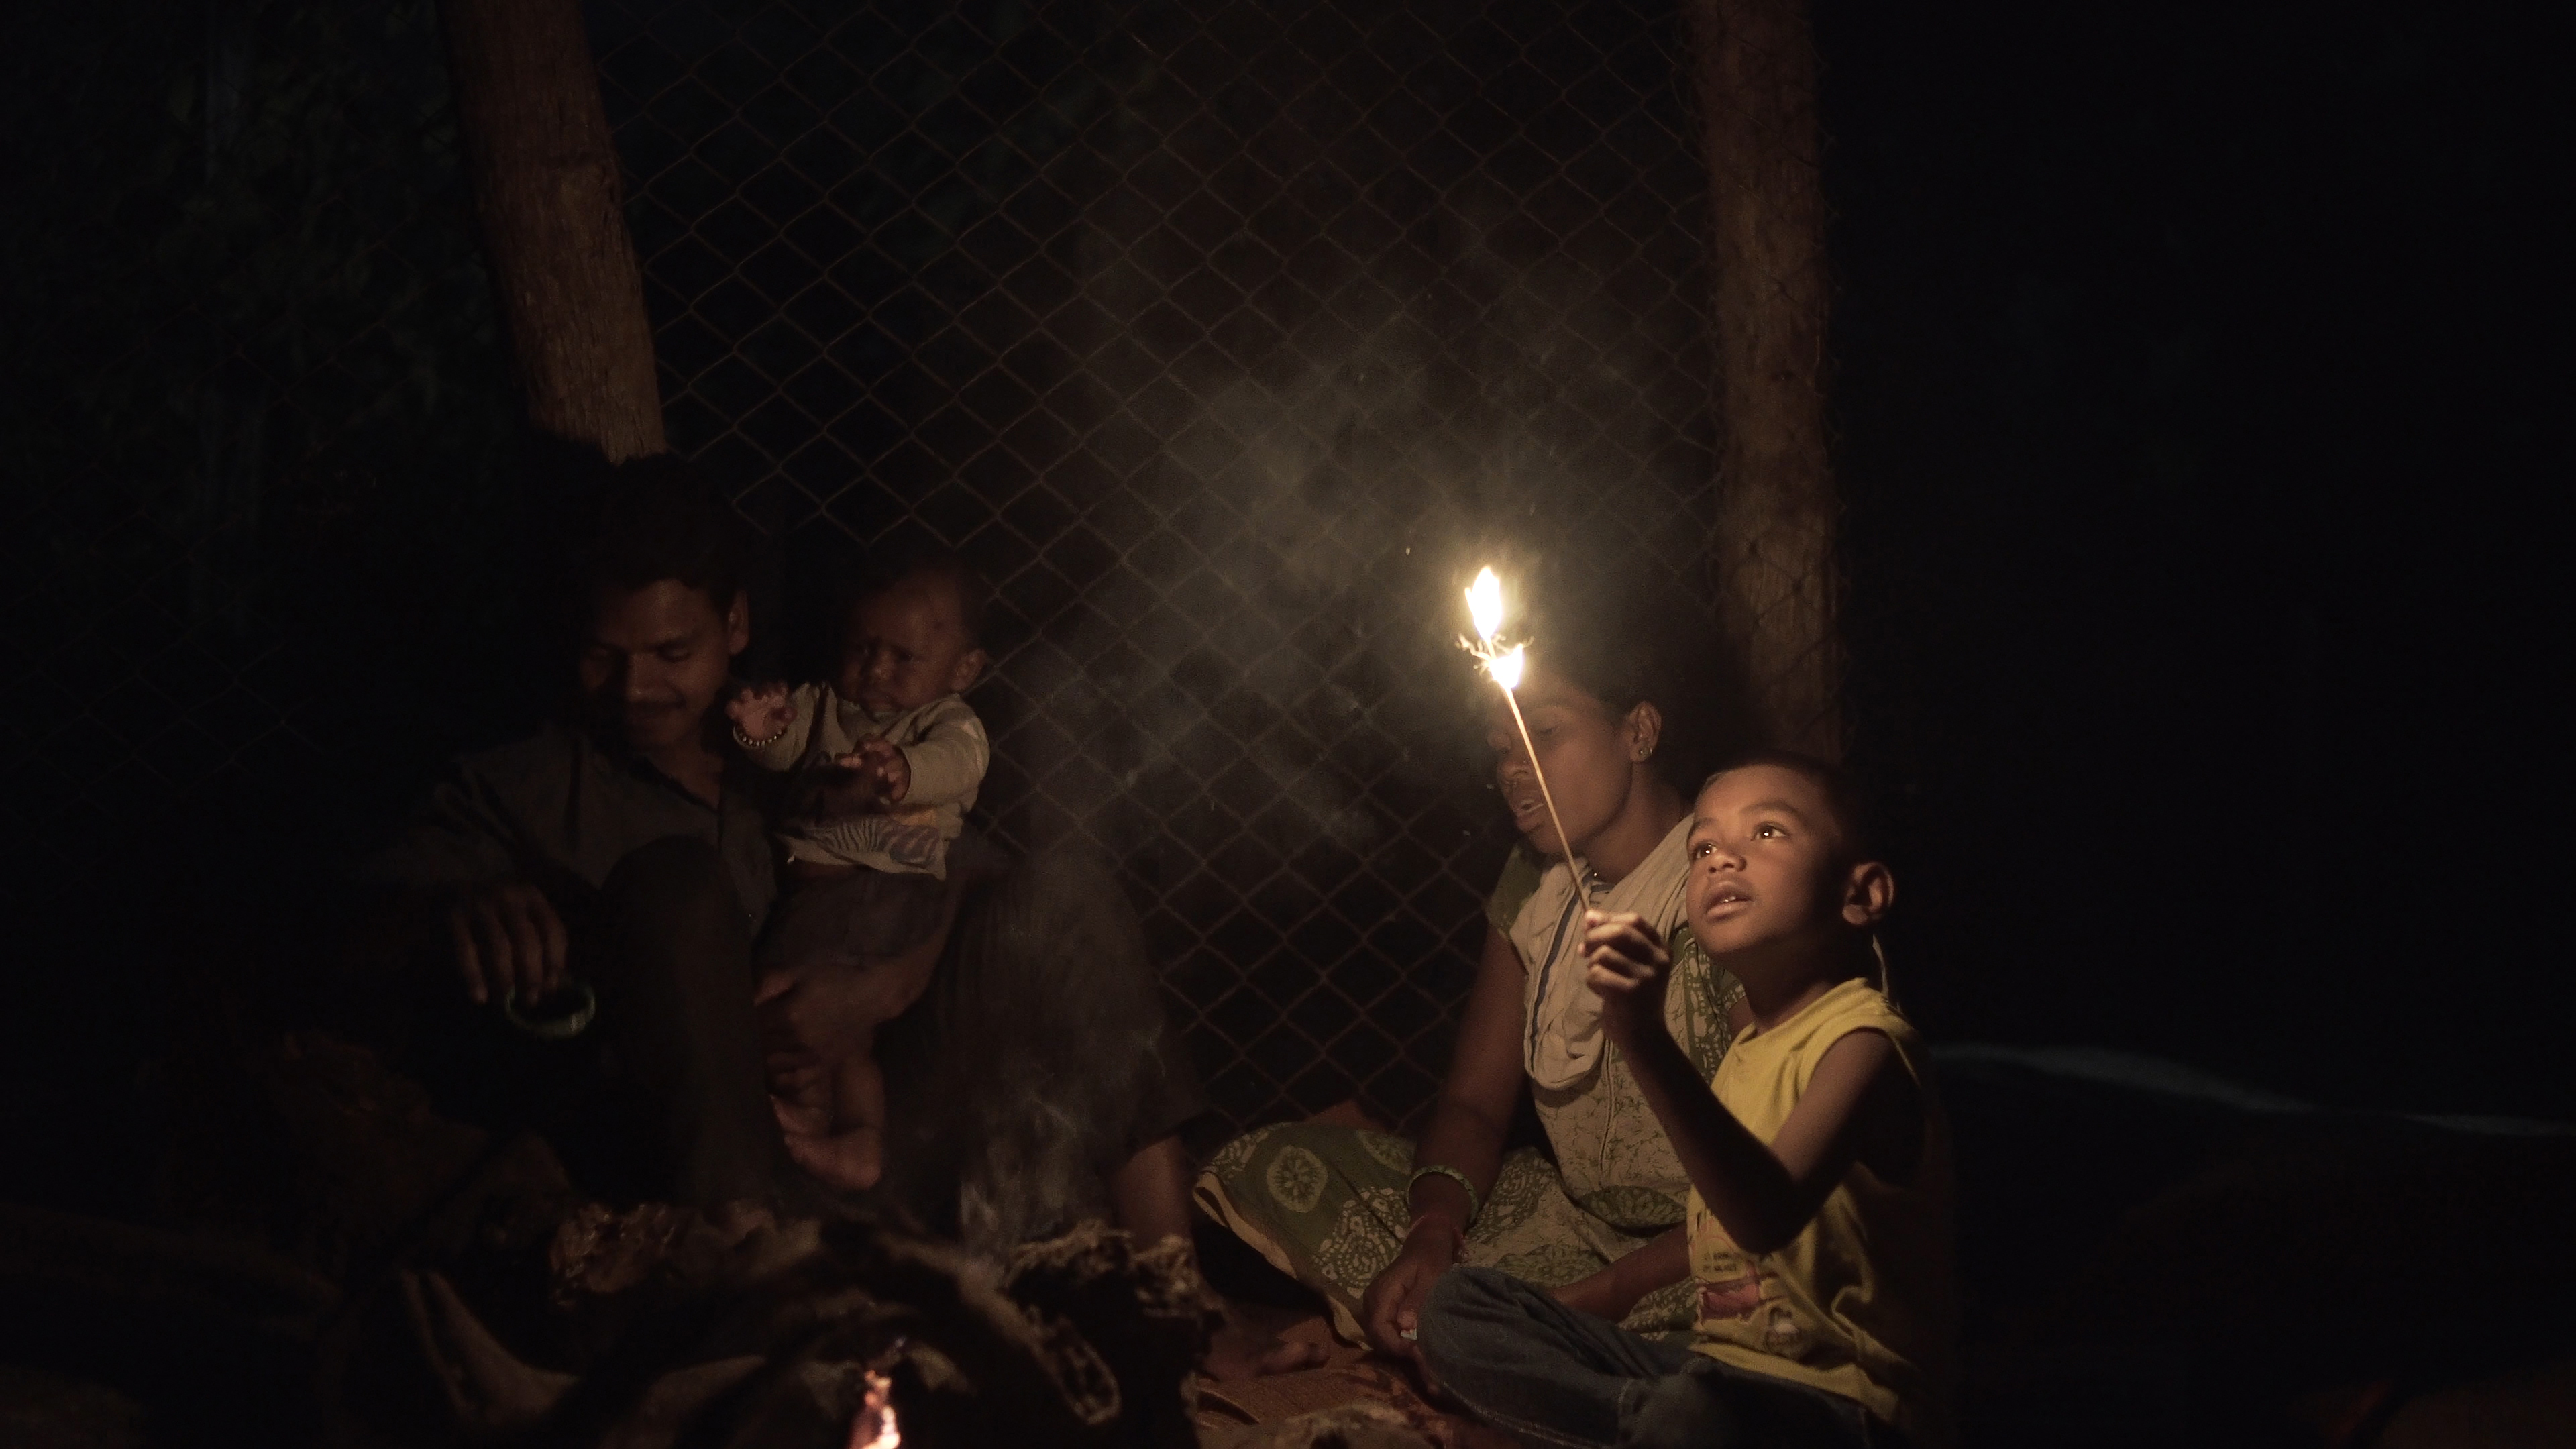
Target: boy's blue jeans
[{"x": 1528, "y": 1364}]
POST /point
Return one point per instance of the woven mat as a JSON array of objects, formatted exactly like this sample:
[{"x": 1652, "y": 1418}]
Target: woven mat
[{"x": 1349, "y": 1375}]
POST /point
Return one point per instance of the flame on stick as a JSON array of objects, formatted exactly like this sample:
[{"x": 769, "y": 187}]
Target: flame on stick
[
  {"x": 1485, "y": 610},
  {"x": 1485, "y": 605}
]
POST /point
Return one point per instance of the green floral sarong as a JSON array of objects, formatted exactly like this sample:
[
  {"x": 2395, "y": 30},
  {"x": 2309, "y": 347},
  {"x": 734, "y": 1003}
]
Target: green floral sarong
[{"x": 1326, "y": 1204}]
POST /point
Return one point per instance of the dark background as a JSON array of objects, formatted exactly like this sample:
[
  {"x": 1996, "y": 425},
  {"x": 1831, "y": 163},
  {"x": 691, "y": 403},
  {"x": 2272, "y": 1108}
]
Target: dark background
[
  {"x": 2193, "y": 410},
  {"x": 2207, "y": 595}
]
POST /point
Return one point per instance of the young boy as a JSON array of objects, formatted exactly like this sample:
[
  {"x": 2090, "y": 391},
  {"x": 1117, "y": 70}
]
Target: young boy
[
  {"x": 891, "y": 757},
  {"x": 1819, "y": 1219}
]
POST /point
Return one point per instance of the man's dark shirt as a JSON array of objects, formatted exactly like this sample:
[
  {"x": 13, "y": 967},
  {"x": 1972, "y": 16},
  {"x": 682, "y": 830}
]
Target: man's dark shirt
[{"x": 563, "y": 802}]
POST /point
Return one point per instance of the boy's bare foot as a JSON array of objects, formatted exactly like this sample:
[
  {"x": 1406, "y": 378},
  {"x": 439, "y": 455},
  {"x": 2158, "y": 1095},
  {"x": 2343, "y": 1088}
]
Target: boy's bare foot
[{"x": 1248, "y": 1348}]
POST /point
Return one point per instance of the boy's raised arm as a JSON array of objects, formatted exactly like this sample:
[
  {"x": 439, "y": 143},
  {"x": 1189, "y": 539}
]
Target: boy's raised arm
[{"x": 1859, "y": 1102}]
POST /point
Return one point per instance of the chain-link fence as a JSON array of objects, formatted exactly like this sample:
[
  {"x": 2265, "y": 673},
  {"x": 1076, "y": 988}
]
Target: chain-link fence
[
  {"x": 254, "y": 536},
  {"x": 1225, "y": 338},
  {"x": 1219, "y": 336},
  {"x": 252, "y": 402}
]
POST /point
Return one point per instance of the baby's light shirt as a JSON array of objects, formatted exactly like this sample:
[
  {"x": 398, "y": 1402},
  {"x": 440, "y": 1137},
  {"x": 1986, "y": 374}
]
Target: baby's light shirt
[{"x": 944, "y": 745}]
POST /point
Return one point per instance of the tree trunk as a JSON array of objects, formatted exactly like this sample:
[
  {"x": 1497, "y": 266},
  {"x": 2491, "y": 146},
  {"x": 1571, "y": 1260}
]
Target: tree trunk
[
  {"x": 1754, "y": 72},
  {"x": 544, "y": 173}
]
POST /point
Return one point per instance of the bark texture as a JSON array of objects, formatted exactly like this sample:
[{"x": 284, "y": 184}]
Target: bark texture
[
  {"x": 546, "y": 189},
  {"x": 1753, "y": 65}
]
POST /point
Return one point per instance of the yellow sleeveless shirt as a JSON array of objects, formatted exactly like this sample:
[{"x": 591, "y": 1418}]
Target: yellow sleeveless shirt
[{"x": 1861, "y": 1303}]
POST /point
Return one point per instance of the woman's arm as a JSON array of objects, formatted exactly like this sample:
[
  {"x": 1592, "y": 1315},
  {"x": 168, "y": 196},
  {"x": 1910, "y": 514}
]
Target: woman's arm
[
  {"x": 1475, "y": 1105},
  {"x": 1466, "y": 1133}
]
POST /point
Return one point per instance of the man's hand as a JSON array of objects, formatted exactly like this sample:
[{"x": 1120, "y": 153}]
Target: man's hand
[
  {"x": 508, "y": 939},
  {"x": 761, "y": 711},
  {"x": 833, "y": 1003},
  {"x": 1629, "y": 970},
  {"x": 1392, "y": 1306}
]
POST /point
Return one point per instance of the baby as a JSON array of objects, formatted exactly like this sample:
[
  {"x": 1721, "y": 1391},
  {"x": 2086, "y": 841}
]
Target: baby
[{"x": 888, "y": 758}]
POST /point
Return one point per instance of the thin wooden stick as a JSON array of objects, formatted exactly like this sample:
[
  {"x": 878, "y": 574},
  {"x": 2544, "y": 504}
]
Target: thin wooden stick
[{"x": 1582, "y": 882}]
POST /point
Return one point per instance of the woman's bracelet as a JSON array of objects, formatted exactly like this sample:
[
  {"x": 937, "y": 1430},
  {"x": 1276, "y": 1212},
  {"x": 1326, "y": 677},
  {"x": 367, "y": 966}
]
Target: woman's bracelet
[
  {"x": 748, "y": 743},
  {"x": 1454, "y": 1175}
]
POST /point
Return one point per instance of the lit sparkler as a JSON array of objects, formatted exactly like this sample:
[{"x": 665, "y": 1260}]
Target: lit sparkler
[{"x": 1485, "y": 609}]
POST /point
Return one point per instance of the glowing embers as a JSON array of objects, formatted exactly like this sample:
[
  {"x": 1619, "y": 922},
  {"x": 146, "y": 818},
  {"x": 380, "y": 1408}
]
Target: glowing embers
[{"x": 874, "y": 1427}]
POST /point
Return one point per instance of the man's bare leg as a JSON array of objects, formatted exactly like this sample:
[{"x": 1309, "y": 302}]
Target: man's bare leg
[{"x": 1150, "y": 1193}]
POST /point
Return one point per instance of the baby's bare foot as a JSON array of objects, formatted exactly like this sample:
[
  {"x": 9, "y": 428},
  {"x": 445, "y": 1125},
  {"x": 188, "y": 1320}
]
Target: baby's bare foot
[
  {"x": 800, "y": 1118},
  {"x": 848, "y": 1161}
]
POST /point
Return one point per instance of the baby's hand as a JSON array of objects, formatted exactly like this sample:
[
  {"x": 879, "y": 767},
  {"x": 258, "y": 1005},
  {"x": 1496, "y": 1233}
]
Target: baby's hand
[
  {"x": 1629, "y": 970},
  {"x": 885, "y": 763},
  {"x": 761, "y": 711},
  {"x": 844, "y": 788}
]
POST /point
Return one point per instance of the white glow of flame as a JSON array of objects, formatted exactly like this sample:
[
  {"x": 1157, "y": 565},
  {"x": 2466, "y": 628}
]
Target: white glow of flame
[
  {"x": 1485, "y": 605},
  {"x": 1506, "y": 668},
  {"x": 875, "y": 1428}
]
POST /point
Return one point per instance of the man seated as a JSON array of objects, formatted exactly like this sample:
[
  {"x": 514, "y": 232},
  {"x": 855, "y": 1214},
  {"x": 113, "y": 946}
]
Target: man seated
[{"x": 597, "y": 890}]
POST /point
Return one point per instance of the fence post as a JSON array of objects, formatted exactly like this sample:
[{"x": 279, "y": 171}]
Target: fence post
[
  {"x": 1753, "y": 70},
  {"x": 545, "y": 183}
]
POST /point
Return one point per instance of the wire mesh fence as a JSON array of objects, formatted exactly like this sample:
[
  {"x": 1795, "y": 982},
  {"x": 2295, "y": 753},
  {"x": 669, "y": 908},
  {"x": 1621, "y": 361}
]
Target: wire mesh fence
[
  {"x": 1217, "y": 336},
  {"x": 1224, "y": 338},
  {"x": 252, "y": 396}
]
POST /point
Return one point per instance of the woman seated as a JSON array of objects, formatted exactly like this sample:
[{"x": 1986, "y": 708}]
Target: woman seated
[{"x": 1369, "y": 1220}]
